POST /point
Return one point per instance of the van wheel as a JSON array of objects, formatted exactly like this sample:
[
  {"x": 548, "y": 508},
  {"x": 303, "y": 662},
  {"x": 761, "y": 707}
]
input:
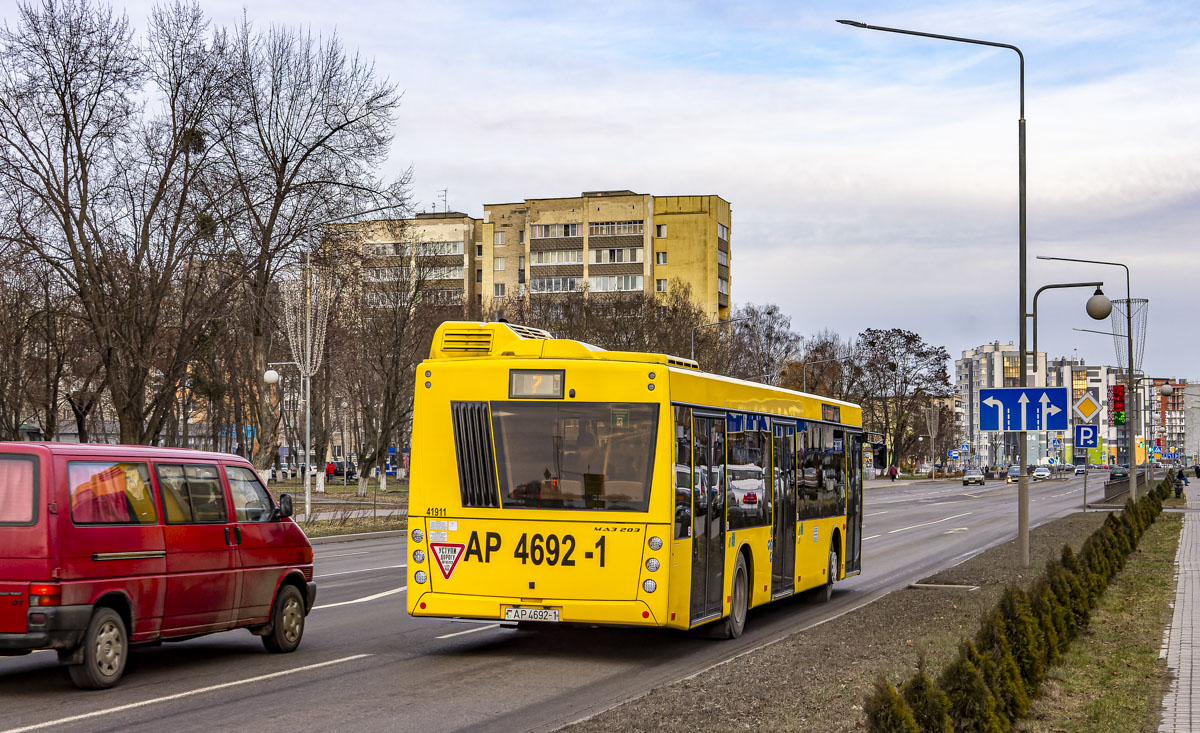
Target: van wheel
[
  {"x": 822, "y": 594},
  {"x": 287, "y": 622},
  {"x": 105, "y": 650},
  {"x": 739, "y": 602}
]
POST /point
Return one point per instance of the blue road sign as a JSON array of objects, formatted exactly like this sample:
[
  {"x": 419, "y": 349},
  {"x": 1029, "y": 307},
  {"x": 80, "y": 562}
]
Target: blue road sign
[
  {"x": 1023, "y": 408},
  {"x": 965, "y": 447},
  {"x": 1087, "y": 436},
  {"x": 952, "y": 453}
]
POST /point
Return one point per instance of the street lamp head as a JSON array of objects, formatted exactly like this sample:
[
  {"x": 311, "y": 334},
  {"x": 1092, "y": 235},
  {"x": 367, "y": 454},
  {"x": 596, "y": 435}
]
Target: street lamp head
[
  {"x": 854, "y": 23},
  {"x": 1166, "y": 390},
  {"x": 1099, "y": 306},
  {"x": 271, "y": 376}
]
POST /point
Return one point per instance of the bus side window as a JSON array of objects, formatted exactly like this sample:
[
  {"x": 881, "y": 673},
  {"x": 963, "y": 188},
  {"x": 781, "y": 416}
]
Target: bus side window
[{"x": 687, "y": 481}]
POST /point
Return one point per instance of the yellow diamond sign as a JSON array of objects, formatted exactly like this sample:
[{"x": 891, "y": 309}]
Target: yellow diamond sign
[{"x": 1087, "y": 407}]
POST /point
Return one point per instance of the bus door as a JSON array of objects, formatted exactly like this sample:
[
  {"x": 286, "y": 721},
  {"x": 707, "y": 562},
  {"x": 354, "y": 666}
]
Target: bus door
[
  {"x": 708, "y": 518},
  {"x": 783, "y": 552},
  {"x": 854, "y": 500}
]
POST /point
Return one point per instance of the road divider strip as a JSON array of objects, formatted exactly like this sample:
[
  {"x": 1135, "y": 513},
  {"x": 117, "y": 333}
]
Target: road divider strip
[
  {"x": 179, "y": 695},
  {"x": 364, "y": 599}
]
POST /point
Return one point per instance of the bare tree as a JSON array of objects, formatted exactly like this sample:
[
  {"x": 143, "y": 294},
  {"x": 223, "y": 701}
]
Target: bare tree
[
  {"x": 106, "y": 191},
  {"x": 303, "y": 136},
  {"x": 765, "y": 342}
]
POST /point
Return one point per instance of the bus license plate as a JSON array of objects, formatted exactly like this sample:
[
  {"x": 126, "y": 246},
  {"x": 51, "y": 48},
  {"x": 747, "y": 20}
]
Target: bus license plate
[{"x": 530, "y": 614}]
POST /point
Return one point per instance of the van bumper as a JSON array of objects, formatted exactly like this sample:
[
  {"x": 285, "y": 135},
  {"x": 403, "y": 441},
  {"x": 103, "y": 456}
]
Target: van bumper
[
  {"x": 62, "y": 628},
  {"x": 310, "y": 596}
]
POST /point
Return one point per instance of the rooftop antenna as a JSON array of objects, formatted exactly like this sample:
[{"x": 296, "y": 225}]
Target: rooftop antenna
[{"x": 442, "y": 195}]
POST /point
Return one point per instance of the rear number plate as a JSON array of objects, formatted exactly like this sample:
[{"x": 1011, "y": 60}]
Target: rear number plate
[{"x": 530, "y": 614}]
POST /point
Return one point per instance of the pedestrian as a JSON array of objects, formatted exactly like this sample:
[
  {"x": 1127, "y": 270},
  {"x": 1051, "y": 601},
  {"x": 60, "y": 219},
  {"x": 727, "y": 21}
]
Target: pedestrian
[
  {"x": 892, "y": 472},
  {"x": 1197, "y": 468}
]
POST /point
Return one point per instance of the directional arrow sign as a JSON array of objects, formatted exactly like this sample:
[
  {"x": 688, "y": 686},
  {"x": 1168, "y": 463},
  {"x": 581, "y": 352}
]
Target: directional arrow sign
[{"x": 1023, "y": 408}]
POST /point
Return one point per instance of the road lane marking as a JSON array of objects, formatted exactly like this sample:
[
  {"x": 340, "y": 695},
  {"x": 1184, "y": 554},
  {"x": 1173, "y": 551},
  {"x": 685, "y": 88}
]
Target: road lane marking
[
  {"x": 469, "y": 631},
  {"x": 871, "y": 537},
  {"x": 364, "y": 570},
  {"x": 375, "y": 597},
  {"x": 179, "y": 695},
  {"x": 1055, "y": 496},
  {"x": 926, "y": 524},
  {"x": 344, "y": 554},
  {"x": 885, "y": 511}
]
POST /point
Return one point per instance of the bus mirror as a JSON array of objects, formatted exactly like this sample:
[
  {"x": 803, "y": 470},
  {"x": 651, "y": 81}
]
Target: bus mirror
[{"x": 285, "y": 506}]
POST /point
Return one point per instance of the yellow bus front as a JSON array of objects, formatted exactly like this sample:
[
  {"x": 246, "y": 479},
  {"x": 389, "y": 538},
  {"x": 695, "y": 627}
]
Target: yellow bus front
[{"x": 533, "y": 491}]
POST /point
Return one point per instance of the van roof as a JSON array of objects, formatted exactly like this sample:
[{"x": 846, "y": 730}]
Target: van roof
[{"x": 106, "y": 450}]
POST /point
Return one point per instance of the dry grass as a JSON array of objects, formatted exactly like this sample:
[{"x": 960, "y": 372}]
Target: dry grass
[
  {"x": 1111, "y": 678},
  {"x": 329, "y": 528}
]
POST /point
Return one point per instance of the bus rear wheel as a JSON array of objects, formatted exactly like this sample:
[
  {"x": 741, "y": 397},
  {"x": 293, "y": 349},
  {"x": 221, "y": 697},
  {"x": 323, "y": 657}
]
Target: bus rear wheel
[
  {"x": 739, "y": 601},
  {"x": 823, "y": 593}
]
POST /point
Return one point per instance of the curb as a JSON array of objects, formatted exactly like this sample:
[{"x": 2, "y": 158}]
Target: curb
[{"x": 332, "y": 539}]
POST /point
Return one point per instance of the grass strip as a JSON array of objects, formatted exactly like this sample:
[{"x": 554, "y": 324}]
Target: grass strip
[
  {"x": 328, "y": 528},
  {"x": 1111, "y": 678}
]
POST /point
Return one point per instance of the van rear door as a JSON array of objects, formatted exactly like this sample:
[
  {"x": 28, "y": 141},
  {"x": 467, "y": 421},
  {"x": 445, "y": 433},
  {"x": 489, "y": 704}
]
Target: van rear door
[{"x": 24, "y": 555}]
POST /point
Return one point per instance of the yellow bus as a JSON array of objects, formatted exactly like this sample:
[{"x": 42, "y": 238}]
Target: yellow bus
[{"x": 552, "y": 481}]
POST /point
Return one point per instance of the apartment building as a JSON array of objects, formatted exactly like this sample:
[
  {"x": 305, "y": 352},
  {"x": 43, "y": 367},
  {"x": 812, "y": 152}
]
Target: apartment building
[
  {"x": 987, "y": 367},
  {"x": 597, "y": 242}
]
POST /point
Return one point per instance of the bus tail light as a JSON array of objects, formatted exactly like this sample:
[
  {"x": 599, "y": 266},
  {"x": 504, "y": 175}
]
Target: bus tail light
[
  {"x": 652, "y": 564},
  {"x": 656, "y": 543},
  {"x": 420, "y": 577},
  {"x": 650, "y": 586},
  {"x": 418, "y": 556},
  {"x": 45, "y": 594}
]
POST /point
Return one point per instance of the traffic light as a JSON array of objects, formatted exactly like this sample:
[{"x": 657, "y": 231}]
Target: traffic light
[{"x": 1116, "y": 404}]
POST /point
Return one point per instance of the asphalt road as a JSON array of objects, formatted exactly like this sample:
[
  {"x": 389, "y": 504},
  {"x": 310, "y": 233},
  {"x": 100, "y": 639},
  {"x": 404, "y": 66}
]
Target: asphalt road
[{"x": 366, "y": 665}]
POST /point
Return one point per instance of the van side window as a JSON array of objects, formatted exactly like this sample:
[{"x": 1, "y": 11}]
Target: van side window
[
  {"x": 18, "y": 489},
  {"x": 107, "y": 492},
  {"x": 251, "y": 502},
  {"x": 191, "y": 493}
]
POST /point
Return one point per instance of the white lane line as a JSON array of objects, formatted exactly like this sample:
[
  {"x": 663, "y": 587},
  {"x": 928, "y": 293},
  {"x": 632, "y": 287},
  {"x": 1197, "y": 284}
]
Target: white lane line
[
  {"x": 344, "y": 554},
  {"x": 178, "y": 695},
  {"x": 469, "y": 631},
  {"x": 926, "y": 524},
  {"x": 871, "y": 537},
  {"x": 874, "y": 513},
  {"x": 364, "y": 599},
  {"x": 364, "y": 570},
  {"x": 1055, "y": 496}
]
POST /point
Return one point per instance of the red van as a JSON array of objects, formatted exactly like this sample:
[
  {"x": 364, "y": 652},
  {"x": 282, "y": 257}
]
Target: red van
[{"x": 104, "y": 546}]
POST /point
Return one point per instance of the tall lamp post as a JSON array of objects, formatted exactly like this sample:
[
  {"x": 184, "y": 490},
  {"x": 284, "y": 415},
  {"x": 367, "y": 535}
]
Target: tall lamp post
[
  {"x": 1023, "y": 482},
  {"x": 1131, "y": 429},
  {"x": 271, "y": 377}
]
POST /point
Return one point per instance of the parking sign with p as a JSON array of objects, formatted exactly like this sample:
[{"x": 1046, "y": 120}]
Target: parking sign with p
[{"x": 1086, "y": 436}]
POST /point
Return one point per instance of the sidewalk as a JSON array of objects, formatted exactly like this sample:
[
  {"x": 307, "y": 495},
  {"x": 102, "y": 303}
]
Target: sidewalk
[{"x": 1181, "y": 705}]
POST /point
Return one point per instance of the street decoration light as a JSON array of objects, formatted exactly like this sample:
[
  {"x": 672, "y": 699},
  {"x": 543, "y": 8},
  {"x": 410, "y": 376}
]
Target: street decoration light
[{"x": 1023, "y": 482}]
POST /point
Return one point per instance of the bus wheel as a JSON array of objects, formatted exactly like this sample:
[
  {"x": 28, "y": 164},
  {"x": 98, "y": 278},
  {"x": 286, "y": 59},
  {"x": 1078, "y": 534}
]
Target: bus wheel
[
  {"x": 740, "y": 601},
  {"x": 823, "y": 593}
]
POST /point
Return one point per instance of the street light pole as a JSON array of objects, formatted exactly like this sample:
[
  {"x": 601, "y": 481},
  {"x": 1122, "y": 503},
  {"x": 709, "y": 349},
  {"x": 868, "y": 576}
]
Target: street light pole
[
  {"x": 1129, "y": 429},
  {"x": 706, "y": 325},
  {"x": 1023, "y": 481},
  {"x": 272, "y": 377}
]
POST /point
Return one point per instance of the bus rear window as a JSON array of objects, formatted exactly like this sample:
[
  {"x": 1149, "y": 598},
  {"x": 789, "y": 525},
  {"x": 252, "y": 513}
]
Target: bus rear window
[
  {"x": 575, "y": 456},
  {"x": 18, "y": 482}
]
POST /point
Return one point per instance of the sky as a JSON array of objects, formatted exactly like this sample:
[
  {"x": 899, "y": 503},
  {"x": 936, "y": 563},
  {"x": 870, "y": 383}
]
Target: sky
[{"x": 873, "y": 176}]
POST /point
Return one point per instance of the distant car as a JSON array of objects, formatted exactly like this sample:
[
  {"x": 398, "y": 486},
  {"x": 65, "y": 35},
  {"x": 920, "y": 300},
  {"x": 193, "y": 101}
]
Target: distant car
[
  {"x": 1080, "y": 470},
  {"x": 1041, "y": 473},
  {"x": 972, "y": 476},
  {"x": 1118, "y": 472},
  {"x": 1014, "y": 474}
]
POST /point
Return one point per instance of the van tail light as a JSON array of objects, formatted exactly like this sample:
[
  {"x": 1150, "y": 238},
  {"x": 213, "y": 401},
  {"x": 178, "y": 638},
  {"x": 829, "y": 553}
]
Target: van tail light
[
  {"x": 306, "y": 554},
  {"x": 45, "y": 594}
]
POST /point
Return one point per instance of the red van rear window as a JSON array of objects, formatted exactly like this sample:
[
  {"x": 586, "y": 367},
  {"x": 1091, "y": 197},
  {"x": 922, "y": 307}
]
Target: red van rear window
[{"x": 17, "y": 487}]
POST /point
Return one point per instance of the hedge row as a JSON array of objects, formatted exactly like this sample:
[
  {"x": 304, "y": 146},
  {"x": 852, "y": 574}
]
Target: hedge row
[{"x": 990, "y": 683}]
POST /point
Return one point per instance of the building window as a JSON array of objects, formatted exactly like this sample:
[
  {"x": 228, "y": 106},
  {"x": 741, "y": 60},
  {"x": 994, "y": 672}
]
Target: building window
[
  {"x": 443, "y": 297},
  {"x": 614, "y": 228},
  {"x": 554, "y": 284},
  {"x": 521, "y": 262},
  {"x": 611, "y": 256},
  {"x": 498, "y": 239},
  {"x": 722, "y": 232},
  {"x": 438, "y": 249},
  {"x": 385, "y": 249},
  {"x": 498, "y": 290},
  {"x": 722, "y": 258},
  {"x": 441, "y": 272},
  {"x": 522, "y": 290},
  {"x": 557, "y": 257},
  {"x": 479, "y": 250},
  {"x": 660, "y": 285},
  {"x": 722, "y": 286},
  {"x": 521, "y": 236},
  {"x": 660, "y": 258},
  {"x": 385, "y": 274},
  {"x": 479, "y": 276},
  {"x": 615, "y": 283},
  {"x": 660, "y": 231},
  {"x": 547, "y": 231},
  {"x": 499, "y": 264}
]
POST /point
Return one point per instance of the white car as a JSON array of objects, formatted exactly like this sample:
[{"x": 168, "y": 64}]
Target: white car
[
  {"x": 1080, "y": 470},
  {"x": 1041, "y": 473}
]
